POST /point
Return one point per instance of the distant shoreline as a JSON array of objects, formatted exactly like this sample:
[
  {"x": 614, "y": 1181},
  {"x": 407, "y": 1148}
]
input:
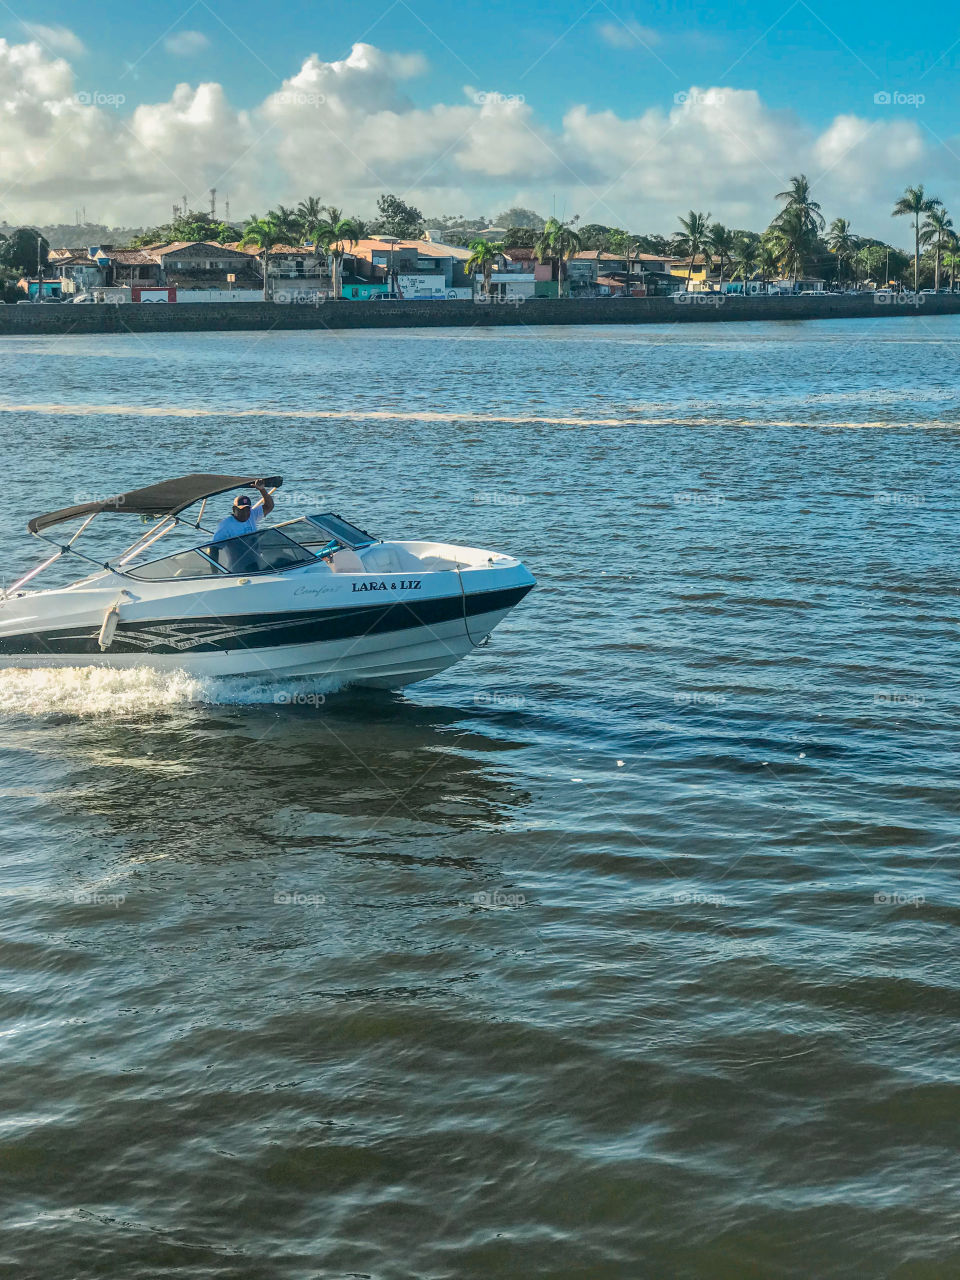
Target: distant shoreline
[{"x": 259, "y": 317}]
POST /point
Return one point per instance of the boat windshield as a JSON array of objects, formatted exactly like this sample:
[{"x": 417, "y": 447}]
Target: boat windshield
[
  {"x": 317, "y": 531},
  {"x": 265, "y": 551}
]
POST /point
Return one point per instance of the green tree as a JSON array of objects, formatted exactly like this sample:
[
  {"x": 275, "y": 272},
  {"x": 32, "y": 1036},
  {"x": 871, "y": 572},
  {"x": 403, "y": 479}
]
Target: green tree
[
  {"x": 309, "y": 212},
  {"x": 693, "y": 239},
  {"x": 720, "y": 243},
  {"x": 397, "y": 218},
  {"x": 792, "y": 239},
  {"x": 872, "y": 261},
  {"x": 337, "y": 236},
  {"x": 767, "y": 260},
  {"x": 746, "y": 260},
  {"x": 951, "y": 259},
  {"x": 288, "y": 222},
  {"x": 798, "y": 204},
  {"x": 595, "y": 236},
  {"x": 190, "y": 228},
  {"x": 19, "y": 251},
  {"x": 558, "y": 241},
  {"x": 483, "y": 258},
  {"x": 619, "y": 241},
  {"x": 841, "y": 242},
  {"x": 915, "y": 203},
  {"x": 520, "y": 238},
  {"x": 659, "y": 245},
  {"x": 265, "y": 234},
  {"x": 517, "y": 216},
  {"x": 936, "y": 230}
]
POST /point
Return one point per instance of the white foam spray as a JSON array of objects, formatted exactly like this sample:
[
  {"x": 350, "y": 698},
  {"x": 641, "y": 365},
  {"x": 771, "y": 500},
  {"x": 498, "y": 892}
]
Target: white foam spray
[{"x": 133, "y": 691}]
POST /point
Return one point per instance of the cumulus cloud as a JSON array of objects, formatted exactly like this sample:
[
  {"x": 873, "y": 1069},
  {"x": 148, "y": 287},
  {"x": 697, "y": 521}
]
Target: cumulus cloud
[
  {"x": 55, "y": 39},
  {"x": 186, "y": 44},
  {"x": 627, "y": 34},
  {"x": 348, "y": 129}
]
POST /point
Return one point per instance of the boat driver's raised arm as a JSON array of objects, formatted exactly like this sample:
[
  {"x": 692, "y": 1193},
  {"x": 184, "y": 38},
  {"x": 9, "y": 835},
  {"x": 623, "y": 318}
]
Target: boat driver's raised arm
[{"x": 268, "y": 503}]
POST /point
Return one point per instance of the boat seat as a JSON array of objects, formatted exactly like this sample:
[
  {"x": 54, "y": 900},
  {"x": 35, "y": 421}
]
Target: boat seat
[
  {"x": 388, "y": 557},
  {"x": 346, "y": 560}
]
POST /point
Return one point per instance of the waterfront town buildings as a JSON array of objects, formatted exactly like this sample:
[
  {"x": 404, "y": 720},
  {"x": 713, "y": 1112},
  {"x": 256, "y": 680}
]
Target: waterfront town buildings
[{"x": 373, "y": 269}]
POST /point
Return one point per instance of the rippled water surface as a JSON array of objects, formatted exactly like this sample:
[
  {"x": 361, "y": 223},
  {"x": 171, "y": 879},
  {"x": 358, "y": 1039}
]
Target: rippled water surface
[{"x": 624, "y": 949}]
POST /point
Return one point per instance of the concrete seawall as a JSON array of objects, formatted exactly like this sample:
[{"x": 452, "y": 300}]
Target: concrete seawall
[{"x": 261, "y": 316}]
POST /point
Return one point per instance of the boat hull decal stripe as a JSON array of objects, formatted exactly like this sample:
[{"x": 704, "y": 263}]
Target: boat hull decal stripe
[{"x": 226, "y": 634}]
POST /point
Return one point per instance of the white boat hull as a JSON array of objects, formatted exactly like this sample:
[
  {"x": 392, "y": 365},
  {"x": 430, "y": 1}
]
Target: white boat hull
[{"x": 381, "y": 629}]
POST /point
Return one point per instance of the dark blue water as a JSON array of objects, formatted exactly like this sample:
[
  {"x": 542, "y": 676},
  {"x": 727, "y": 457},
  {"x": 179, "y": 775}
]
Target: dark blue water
[{"x": 625, "y": 948}]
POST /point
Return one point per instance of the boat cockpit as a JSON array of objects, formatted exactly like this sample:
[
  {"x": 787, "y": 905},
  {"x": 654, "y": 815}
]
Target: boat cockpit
[{"x": 267, "y": 550}]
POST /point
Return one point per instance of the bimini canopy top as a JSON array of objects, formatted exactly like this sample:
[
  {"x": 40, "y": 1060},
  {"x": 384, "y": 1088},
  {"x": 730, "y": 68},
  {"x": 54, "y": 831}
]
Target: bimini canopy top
[{"x": 165, "y": 499}]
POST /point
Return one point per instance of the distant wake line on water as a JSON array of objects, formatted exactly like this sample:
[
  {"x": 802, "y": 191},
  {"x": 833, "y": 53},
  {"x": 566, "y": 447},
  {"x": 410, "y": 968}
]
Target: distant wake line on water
[
  {"x": 114, "y": 693},
  {"x": 379, "y": 415}
]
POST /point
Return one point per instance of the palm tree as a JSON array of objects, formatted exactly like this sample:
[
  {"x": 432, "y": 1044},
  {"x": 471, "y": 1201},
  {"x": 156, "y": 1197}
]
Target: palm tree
[
  {"x": 287, "y": 222},
  {"x": 362, "y": 228},
  {"x": 747, "y": 263},
  {"x": 767, "y": 261},
  {"x": 336, "y": 236},
  {"x": 558, "y": 241},
  {"x": 841, "y": 242},
  {"x": 797, "y": 201},
  {"x": 936, "y": 230},
  {"x": 483, "y": 256},
  {"x": 309, "y": 212},
  {"x": 721, "y": 244},
  {"x": 951, "y": 258},
  {"x": 912, "y": 204},
  {"x": 792, "y": 238},
  {"x": 264, "y": 233},
  {"x": 694, "y": 238}
]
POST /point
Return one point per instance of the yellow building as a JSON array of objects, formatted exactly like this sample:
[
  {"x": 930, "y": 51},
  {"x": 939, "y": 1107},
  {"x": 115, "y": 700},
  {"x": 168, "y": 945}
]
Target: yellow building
[{"x": 698, "y": 271}]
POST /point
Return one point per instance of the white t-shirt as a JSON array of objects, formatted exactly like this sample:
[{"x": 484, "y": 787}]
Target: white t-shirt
[{"x": 231, "y": 527}]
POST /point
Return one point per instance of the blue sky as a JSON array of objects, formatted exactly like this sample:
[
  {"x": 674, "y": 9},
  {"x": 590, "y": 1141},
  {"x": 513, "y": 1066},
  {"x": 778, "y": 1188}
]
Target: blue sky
[
  {"x": 817, "y": 60},
  {"x": 800, "y": 84}
]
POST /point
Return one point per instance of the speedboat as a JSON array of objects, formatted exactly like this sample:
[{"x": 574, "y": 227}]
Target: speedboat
[{"x": 310, "y": 596}]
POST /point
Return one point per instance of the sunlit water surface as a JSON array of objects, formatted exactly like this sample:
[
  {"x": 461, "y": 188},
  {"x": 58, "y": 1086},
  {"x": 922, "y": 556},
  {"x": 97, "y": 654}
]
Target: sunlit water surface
[{"x": 627, "y": 947}]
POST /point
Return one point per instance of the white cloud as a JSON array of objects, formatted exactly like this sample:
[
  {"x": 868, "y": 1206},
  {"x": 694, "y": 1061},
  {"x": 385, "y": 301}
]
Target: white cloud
[
  {"x": 627, "y": 34},
  {"x": 349, "y": 129},
  {"x": 186, "y": 44},
  {"x": 55, "y": 39}
]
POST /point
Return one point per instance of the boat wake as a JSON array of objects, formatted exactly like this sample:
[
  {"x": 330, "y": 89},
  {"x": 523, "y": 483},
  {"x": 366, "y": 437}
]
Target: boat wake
[{"x": 116, "y": 693}]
